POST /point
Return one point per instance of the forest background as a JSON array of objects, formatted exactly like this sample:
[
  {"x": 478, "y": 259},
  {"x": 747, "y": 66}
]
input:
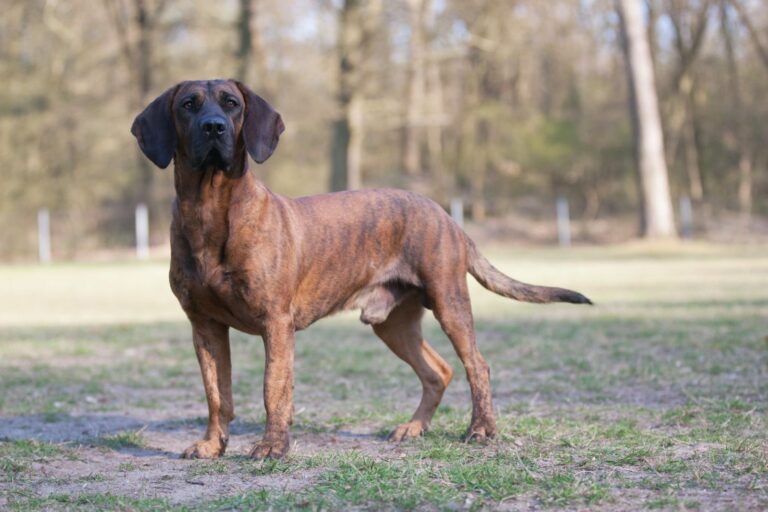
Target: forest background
[{"x": 505, "y": 104}]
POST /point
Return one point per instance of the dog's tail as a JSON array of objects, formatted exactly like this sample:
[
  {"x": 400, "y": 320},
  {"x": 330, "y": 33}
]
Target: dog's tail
[{"x": 497, "y": 282}]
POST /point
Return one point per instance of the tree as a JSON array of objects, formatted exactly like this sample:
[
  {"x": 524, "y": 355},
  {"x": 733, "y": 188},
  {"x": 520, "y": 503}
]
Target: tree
[
  {"x": 737, "y": 125},
  {"x": 357, "y": 23},
  {"x": 658, "y": 213},
  {"x": 135, "y": 34},
  {"x": 250, "y": 59},
  {"x": 753, "y": 33},
  {"x": 689, "y": 36},
  {"x": 413, "y": 106}
]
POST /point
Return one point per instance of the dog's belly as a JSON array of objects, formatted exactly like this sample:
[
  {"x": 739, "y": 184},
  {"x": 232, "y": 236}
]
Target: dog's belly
[
  {"x": 375, "y": 303},
  {"x": 375, "y": 292}
]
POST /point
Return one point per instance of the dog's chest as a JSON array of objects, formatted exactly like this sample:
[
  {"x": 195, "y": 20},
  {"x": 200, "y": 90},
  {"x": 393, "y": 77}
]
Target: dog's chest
[{"x": 207, "y": 287}]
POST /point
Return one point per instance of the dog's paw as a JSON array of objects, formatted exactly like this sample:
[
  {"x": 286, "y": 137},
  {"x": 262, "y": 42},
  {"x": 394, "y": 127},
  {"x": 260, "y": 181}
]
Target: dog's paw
[
  {"x": 205, "y": 449},
  {"x": 481, "y": 431},
  {"x": 410, "y": 430},
  {"x": 273, "y": 449}
]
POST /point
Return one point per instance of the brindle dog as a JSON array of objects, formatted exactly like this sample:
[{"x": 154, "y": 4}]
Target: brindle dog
[{"x": 245, "y": 257}]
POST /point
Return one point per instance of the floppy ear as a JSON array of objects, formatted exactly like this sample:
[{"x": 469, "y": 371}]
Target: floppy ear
[
  {"x": 154, "y": 130},
  {"x": 262, "y": 126}
]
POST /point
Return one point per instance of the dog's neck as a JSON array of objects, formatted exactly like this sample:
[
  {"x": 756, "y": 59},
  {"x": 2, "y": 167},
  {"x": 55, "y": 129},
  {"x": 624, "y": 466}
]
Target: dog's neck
[{"x": 209, "y": 202}]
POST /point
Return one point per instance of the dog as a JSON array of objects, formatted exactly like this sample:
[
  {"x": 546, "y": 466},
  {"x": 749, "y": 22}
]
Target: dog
[{"x": 247, "y": 258}]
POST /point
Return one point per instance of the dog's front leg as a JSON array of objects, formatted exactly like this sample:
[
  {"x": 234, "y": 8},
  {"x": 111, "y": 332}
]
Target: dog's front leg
[
  {"x": 212, "y": 347},
  {"x": 278, "y": 389}
]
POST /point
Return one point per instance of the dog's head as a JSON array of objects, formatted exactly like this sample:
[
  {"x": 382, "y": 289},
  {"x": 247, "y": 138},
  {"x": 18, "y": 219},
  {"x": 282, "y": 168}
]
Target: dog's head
[{"x": 208, "y": 124}]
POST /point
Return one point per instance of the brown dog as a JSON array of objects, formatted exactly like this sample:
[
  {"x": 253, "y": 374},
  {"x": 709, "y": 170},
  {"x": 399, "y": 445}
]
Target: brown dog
[{"x": 264, "y": 264}]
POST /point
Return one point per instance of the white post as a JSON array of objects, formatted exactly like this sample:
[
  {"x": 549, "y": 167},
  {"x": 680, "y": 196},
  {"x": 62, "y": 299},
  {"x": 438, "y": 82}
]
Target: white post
[
  {"x": 563, "y": 222},
  {"x": 44, "y": 235},
  {"x": 142, "y": 231},
  {"x": 457, "y": 211},
  {"x": 686, "y": 217}
]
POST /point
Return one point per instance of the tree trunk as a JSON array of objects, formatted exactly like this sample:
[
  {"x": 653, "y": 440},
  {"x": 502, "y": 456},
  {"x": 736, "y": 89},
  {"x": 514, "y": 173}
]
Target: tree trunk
[
  {"x": 692, "y": 168},
  {"x": 251, "y": 60},
  {"x": 762, "y": 51},
  {"x": 357, "y": 23},
  {"x": 339, "y": 147},
  {"x": 355, "y": 147},
  {"x": 738, "y": 126},
  {"x": 745, "y": 186},
  {"x": 682, "y": 125},
  {"x": 413, "y": 108},
  {"x": 350, "y": 38},
  {"x": 659, "y": 217},
  {"x": 477, "y": 182},
  {"x": 143, "y": 65},
  {"x": 435, "y": 131},
  {"x": 245, "y": 48},
  {"x": 137, "y": 55}
]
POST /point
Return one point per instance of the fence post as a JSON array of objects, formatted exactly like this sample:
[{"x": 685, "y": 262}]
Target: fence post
[
  {"x": 142, "y": 231},
  {"x": 457, "y": 211},
  {"x": 44, "y": 235},
  {"x": 563, "y": 222},
  {"x": 686, "y": 217}
]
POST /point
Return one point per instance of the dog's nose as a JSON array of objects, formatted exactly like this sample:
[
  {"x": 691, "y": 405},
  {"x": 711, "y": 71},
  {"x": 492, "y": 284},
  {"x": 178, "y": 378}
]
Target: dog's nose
[{"x": 213, "y": 126}]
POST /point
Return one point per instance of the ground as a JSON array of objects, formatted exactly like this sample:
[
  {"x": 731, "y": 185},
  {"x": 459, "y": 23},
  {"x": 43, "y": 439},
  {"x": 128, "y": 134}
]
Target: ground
[{"x": 655, "y": 398}]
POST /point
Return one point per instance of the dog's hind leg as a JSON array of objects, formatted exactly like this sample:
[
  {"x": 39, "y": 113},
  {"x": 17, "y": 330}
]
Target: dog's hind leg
[
  {"x": 401, "y": 331},
  {"x": 212, "y": 347},
  {"x": 453, "y": 310}
]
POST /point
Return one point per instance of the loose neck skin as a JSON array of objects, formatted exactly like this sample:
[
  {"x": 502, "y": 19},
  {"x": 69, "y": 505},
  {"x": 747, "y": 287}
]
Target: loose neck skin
[
  {"x": 209, "y": 201},
  {"x": 201, "y": 185}
]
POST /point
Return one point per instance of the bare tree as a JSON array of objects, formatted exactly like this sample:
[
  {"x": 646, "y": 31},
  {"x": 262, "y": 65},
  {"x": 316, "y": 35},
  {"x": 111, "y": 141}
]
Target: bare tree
[
  {"x": 250, "y": 58},
  {"x": 689, "y": 36},
  {"x": 357, "y": 24},
  {"x": 435, "y": 115},
  {"x": 737, "y": 134},
  {"x": 753, "y": 33},
  {"x": 659, "y": 217},
  {"x": 136, "y": 17},
  {"x": 413, "y": 106}
]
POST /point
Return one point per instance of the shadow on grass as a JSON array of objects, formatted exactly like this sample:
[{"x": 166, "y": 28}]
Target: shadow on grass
[
  {"x": 122, "y": 432},
  {"x": 342, "y": 370}
]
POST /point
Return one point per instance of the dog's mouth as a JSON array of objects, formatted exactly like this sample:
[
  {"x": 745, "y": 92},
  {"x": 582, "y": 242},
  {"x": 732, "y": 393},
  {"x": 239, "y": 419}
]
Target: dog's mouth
[{"x": 215, "y": 158}]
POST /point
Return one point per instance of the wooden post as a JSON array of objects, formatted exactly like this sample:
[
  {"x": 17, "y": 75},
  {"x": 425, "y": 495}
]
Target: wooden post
[
  {"x": 44, "y": 235},
  {"x": 142, "y": 231},
  {"x": 457, "y": 211},
  {"x": 686, "y": 217},
  {"x": 563, "y": 222}
]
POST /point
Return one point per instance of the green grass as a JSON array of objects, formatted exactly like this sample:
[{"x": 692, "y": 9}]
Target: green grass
[
  {"x": 122, "y": 441},
  {"x": 16, "y": 457},
  {"x": 94, "y": 502},
  {"x": 656, "y": 398}
]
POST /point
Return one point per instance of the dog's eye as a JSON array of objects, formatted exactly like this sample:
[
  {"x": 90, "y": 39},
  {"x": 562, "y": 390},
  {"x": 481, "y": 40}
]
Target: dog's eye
[
  {"x": 188, "y": 104},
  {"x": 231, "y": 103}
]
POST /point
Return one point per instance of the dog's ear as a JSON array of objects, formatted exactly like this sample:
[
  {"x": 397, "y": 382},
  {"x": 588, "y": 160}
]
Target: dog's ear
[
  {"x": 262, "y": 126},
  {"x": 155, "y": 131}
]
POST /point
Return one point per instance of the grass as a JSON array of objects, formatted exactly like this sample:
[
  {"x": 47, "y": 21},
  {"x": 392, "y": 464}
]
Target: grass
[
  {"x": 121, "y": 441},
  {"x": 654, "y": 399},
  {"x": 94, "y": 502},
  {"x": 16, "y": 457}
]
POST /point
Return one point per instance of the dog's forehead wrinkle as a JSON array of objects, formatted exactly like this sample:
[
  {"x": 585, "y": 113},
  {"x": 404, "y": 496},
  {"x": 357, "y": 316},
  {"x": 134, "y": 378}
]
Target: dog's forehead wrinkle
[
  {"x": 220, "y": 88},
  {"x": 187, "y": 89}
]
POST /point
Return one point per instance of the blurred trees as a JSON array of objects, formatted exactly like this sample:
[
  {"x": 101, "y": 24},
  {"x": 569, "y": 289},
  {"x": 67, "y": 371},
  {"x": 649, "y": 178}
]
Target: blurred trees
[
  {"x": 357, "y": 28},
  {"x": 506, "y": 103},
  {"x": 658, "y": 218}
]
